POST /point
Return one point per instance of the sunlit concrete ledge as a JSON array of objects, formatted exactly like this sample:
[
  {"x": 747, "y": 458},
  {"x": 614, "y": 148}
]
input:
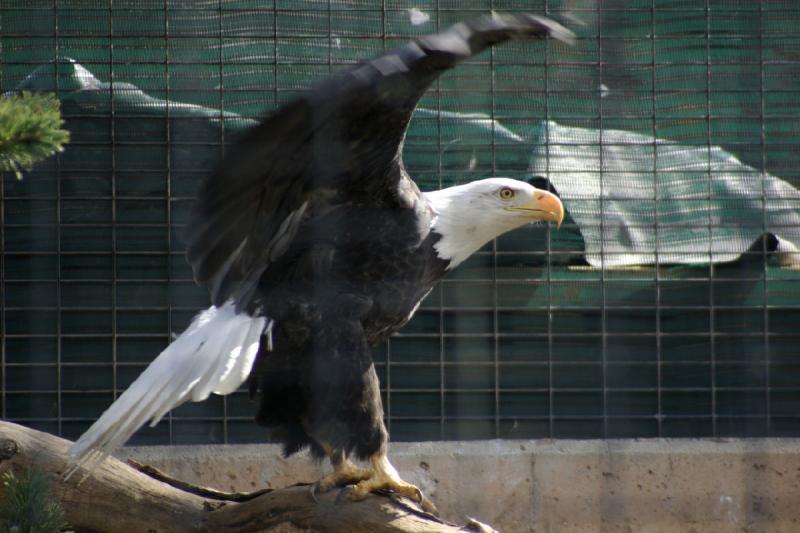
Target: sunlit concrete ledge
[{"x": 669, "y": 485}]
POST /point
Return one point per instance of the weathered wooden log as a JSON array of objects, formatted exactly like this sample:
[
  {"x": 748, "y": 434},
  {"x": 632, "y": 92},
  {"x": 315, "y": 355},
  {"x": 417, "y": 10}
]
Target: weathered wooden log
[{"x": 120, "y": 497}]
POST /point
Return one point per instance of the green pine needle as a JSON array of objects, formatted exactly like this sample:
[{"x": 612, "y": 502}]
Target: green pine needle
[
  {"x": 30, "y": 130},
  {"x": 27, "y": 506}
]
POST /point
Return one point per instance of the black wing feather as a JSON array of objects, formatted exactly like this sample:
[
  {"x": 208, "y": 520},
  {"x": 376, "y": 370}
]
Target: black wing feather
[{"x": 341, "y": 142}]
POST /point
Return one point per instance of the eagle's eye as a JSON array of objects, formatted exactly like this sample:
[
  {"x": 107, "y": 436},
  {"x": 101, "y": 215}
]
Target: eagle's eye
[{"x": 506, "y": 193}]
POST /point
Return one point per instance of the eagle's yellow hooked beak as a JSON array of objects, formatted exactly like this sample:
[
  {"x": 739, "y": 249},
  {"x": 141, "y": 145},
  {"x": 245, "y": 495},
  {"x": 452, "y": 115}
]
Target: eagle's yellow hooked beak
[
  {"x": 543, "y": 206},
  {"x": 551, "y": 205}
]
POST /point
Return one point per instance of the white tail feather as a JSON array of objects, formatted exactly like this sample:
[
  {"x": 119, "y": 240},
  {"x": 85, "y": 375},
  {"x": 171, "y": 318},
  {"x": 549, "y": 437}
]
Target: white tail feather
[
  {"x": 238, "y": 368},
  {"x": 214, "y": 354}
]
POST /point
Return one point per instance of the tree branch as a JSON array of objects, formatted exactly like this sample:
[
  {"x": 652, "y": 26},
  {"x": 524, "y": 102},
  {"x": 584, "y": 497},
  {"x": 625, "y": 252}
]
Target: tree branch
[{"x": 118, "y": 497}]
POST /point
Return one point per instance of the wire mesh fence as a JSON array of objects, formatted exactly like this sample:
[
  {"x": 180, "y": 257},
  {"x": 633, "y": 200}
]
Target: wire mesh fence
[{"x": 666, "y": 305}]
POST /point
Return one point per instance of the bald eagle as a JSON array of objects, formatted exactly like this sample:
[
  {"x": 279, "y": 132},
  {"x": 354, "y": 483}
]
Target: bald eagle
[{"x": 315, "y": 243}]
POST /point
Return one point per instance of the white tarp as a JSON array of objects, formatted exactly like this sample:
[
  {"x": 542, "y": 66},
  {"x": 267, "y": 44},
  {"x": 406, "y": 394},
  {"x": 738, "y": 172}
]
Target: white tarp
[{"x": 642, "y": 200}]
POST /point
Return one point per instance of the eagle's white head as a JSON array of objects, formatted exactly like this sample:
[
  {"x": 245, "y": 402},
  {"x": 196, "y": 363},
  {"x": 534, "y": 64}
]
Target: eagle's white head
[{"x": 468, "y": 216}]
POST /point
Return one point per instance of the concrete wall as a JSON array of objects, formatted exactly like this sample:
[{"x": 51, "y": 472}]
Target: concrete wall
[{"x": 571, "y": 486}]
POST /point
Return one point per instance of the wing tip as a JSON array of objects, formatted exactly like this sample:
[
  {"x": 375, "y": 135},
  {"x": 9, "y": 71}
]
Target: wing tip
[
  {"x": 531, "y": 25},
  {"x": 554, "y": 29}
]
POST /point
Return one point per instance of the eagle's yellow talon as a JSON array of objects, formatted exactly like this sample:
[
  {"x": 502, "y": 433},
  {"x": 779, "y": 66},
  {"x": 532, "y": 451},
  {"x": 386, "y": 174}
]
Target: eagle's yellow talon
[
  {"x": 344, "y": 473},
  {"x": 347, "y": 494},
  {"x": 313, "y": 491},
  {"x": 428, "y": 506}
]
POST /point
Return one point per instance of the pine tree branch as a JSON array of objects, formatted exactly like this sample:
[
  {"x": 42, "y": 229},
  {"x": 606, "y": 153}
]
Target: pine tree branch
[{"x": 30, "y": 130}]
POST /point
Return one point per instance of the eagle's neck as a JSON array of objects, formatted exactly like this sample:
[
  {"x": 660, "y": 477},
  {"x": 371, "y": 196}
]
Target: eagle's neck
[{"x": 463, "y": 223}]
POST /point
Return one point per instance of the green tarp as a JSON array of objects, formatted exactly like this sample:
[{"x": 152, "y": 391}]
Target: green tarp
[{"x": 633, "y": 199}]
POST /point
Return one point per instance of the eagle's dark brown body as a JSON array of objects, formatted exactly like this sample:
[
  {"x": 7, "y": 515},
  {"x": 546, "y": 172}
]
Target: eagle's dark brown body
[{"x": 356, "y": 277}]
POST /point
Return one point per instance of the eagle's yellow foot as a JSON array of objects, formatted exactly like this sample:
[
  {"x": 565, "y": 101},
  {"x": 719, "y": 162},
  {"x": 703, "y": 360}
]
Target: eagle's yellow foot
[
  {"x": 344, "y": 473},
  {"x": 385, "y": 477}
]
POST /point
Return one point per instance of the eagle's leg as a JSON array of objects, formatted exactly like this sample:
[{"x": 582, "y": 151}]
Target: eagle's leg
[
  {"x": 384, "y": 476},
  {"x": 344, "y": 473}
]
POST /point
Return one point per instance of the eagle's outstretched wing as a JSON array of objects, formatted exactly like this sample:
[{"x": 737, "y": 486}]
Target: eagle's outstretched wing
[{"x": 339, "y": 143}]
